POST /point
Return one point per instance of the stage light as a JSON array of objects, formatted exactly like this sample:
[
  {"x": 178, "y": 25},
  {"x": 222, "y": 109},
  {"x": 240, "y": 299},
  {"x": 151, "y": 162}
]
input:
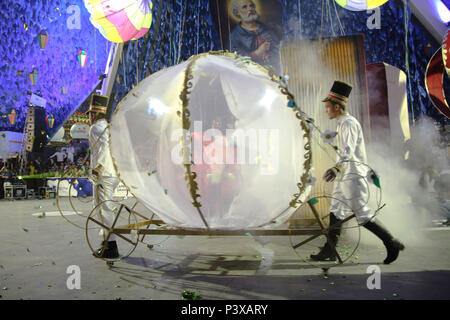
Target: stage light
[{"x": 444, "y": 13}]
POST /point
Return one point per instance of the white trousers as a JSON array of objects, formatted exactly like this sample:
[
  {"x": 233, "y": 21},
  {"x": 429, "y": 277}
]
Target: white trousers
[{"x": 104, "y": 191}]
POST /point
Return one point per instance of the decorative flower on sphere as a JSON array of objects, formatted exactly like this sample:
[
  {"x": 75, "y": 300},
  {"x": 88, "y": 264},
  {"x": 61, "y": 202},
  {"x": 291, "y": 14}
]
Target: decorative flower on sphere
[
  {"x": 311, "y": 180},
  {"x": 328, "y": 136},
  {"x": 373, "y": 177}
]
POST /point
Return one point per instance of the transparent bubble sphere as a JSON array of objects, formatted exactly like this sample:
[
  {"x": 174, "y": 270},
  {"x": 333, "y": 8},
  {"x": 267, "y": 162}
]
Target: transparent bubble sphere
[{"x": 212, "y": 143}]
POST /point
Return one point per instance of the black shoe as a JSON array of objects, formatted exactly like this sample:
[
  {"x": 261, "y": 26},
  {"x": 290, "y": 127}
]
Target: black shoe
[
  {"x": 325, "y": 254},
  {"x": 393, "y": 248},
  {"x": 446, "y": 223},
  {"x": 110, "y": 252}
]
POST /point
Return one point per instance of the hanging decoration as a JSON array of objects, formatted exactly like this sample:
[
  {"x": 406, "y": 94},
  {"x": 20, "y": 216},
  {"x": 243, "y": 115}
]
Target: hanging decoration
[
  {"x": 82, "y": 58},
  {"x": 120, "y": 20},
  {"x": 50, "y": 121},
  {"x": 434, "y": 77},
  {"x": 12, "y": 117},
  {"x": 360, "y": 5},
  {"x": 43, "y": 39},
  {"x": 78, "y": 117},
  {"x": 34, "y": 77}
]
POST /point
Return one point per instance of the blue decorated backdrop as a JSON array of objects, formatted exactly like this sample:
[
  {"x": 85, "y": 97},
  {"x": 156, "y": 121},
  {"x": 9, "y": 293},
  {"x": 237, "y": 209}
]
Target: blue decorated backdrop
[
  {"x": 387, "y": 44},
  {"x": 310, "y": 19},
  {"x": 67, "y": 23},
  {"x": 179, "y": 29}
]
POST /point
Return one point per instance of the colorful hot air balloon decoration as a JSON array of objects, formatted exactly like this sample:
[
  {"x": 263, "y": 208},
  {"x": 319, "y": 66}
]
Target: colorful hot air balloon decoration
[
  {"x": 50, "y": 121},
  {"x": 360, "y": 5},
  {"x": 43, "y": 39},
  {"x": 12, "y": 117},
  {"x": 82, "y": 57},
  {"x": 120, "y": 20},
  {"x": 34, "y": 77}
]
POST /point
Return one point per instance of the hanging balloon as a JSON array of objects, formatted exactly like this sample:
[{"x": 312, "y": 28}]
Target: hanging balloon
[
  {"x": 360, "y": 5},
  {"x": 50, "y": 121},
  {"x": 43, "y": 40},
  {"x": 82, "y": 57},
  {"x": 12, "y": 117},
  {"x": 120, "y": 20},
  {"x": 34, "y": 77}
]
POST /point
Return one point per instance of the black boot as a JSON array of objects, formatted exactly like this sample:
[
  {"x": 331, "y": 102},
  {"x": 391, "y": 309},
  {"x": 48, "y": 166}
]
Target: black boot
[
  {"x": 393, "y": 246},
  {"x": 326, "y": 253},
  {"x": 110, "y": 252}
]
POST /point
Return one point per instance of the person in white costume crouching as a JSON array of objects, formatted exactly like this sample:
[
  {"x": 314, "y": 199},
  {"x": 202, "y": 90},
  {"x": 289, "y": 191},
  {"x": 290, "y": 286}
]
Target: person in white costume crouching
[
  {"x": 352, "y": 189},
  {"x": 103, "y": 172}
]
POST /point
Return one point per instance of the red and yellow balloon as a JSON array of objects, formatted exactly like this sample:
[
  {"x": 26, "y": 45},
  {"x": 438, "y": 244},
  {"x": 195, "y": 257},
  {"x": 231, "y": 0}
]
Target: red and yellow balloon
[
  {"x": 120, "y": 20},
  {"x": 360, "y": 5}
]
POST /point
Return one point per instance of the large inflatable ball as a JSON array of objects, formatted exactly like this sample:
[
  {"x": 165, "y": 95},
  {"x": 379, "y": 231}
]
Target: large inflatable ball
[{"x": 214, "y": 142}]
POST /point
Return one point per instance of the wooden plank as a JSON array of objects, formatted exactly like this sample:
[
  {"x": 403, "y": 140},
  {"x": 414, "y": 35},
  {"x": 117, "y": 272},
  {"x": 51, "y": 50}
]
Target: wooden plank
[{"x": 201, "y": 232}]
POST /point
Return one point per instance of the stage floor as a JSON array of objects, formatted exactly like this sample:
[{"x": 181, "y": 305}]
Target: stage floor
[{"x": 36, "y": 252}]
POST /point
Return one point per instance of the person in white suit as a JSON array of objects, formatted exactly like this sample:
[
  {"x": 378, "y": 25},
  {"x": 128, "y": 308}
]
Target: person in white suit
[
  {"x": 350, "y": 192},
  {"x": 70, "y": 153},
  {"x": 103, "y": 171}
]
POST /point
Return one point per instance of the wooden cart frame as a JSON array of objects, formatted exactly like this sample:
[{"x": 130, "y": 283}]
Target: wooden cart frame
[{"x": 143, "y": 230}]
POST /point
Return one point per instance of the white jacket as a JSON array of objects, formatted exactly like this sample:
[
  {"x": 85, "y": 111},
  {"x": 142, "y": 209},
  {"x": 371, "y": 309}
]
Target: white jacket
[
  {"x": 351, "y": 185},
  {"x": 99, "y": 144}
]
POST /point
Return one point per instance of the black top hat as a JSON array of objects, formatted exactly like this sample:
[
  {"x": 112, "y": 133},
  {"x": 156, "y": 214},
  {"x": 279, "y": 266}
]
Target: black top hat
[
  {"x": 339, "y": 93},
  {"x": 99, "y": 104}
]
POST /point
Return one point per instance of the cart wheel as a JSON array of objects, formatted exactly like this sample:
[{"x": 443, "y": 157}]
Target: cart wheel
[
  {"x": 110, "y": 263},
  {"x": 96, "y": 231},
  {"x": 306, "y": 245}
]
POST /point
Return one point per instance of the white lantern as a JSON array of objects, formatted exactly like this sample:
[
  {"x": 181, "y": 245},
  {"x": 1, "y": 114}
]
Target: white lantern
[
  {"x": 59, "y": 135},
  {"x": 212, "y": 143},
  {"x": 79, "y": 131}
]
